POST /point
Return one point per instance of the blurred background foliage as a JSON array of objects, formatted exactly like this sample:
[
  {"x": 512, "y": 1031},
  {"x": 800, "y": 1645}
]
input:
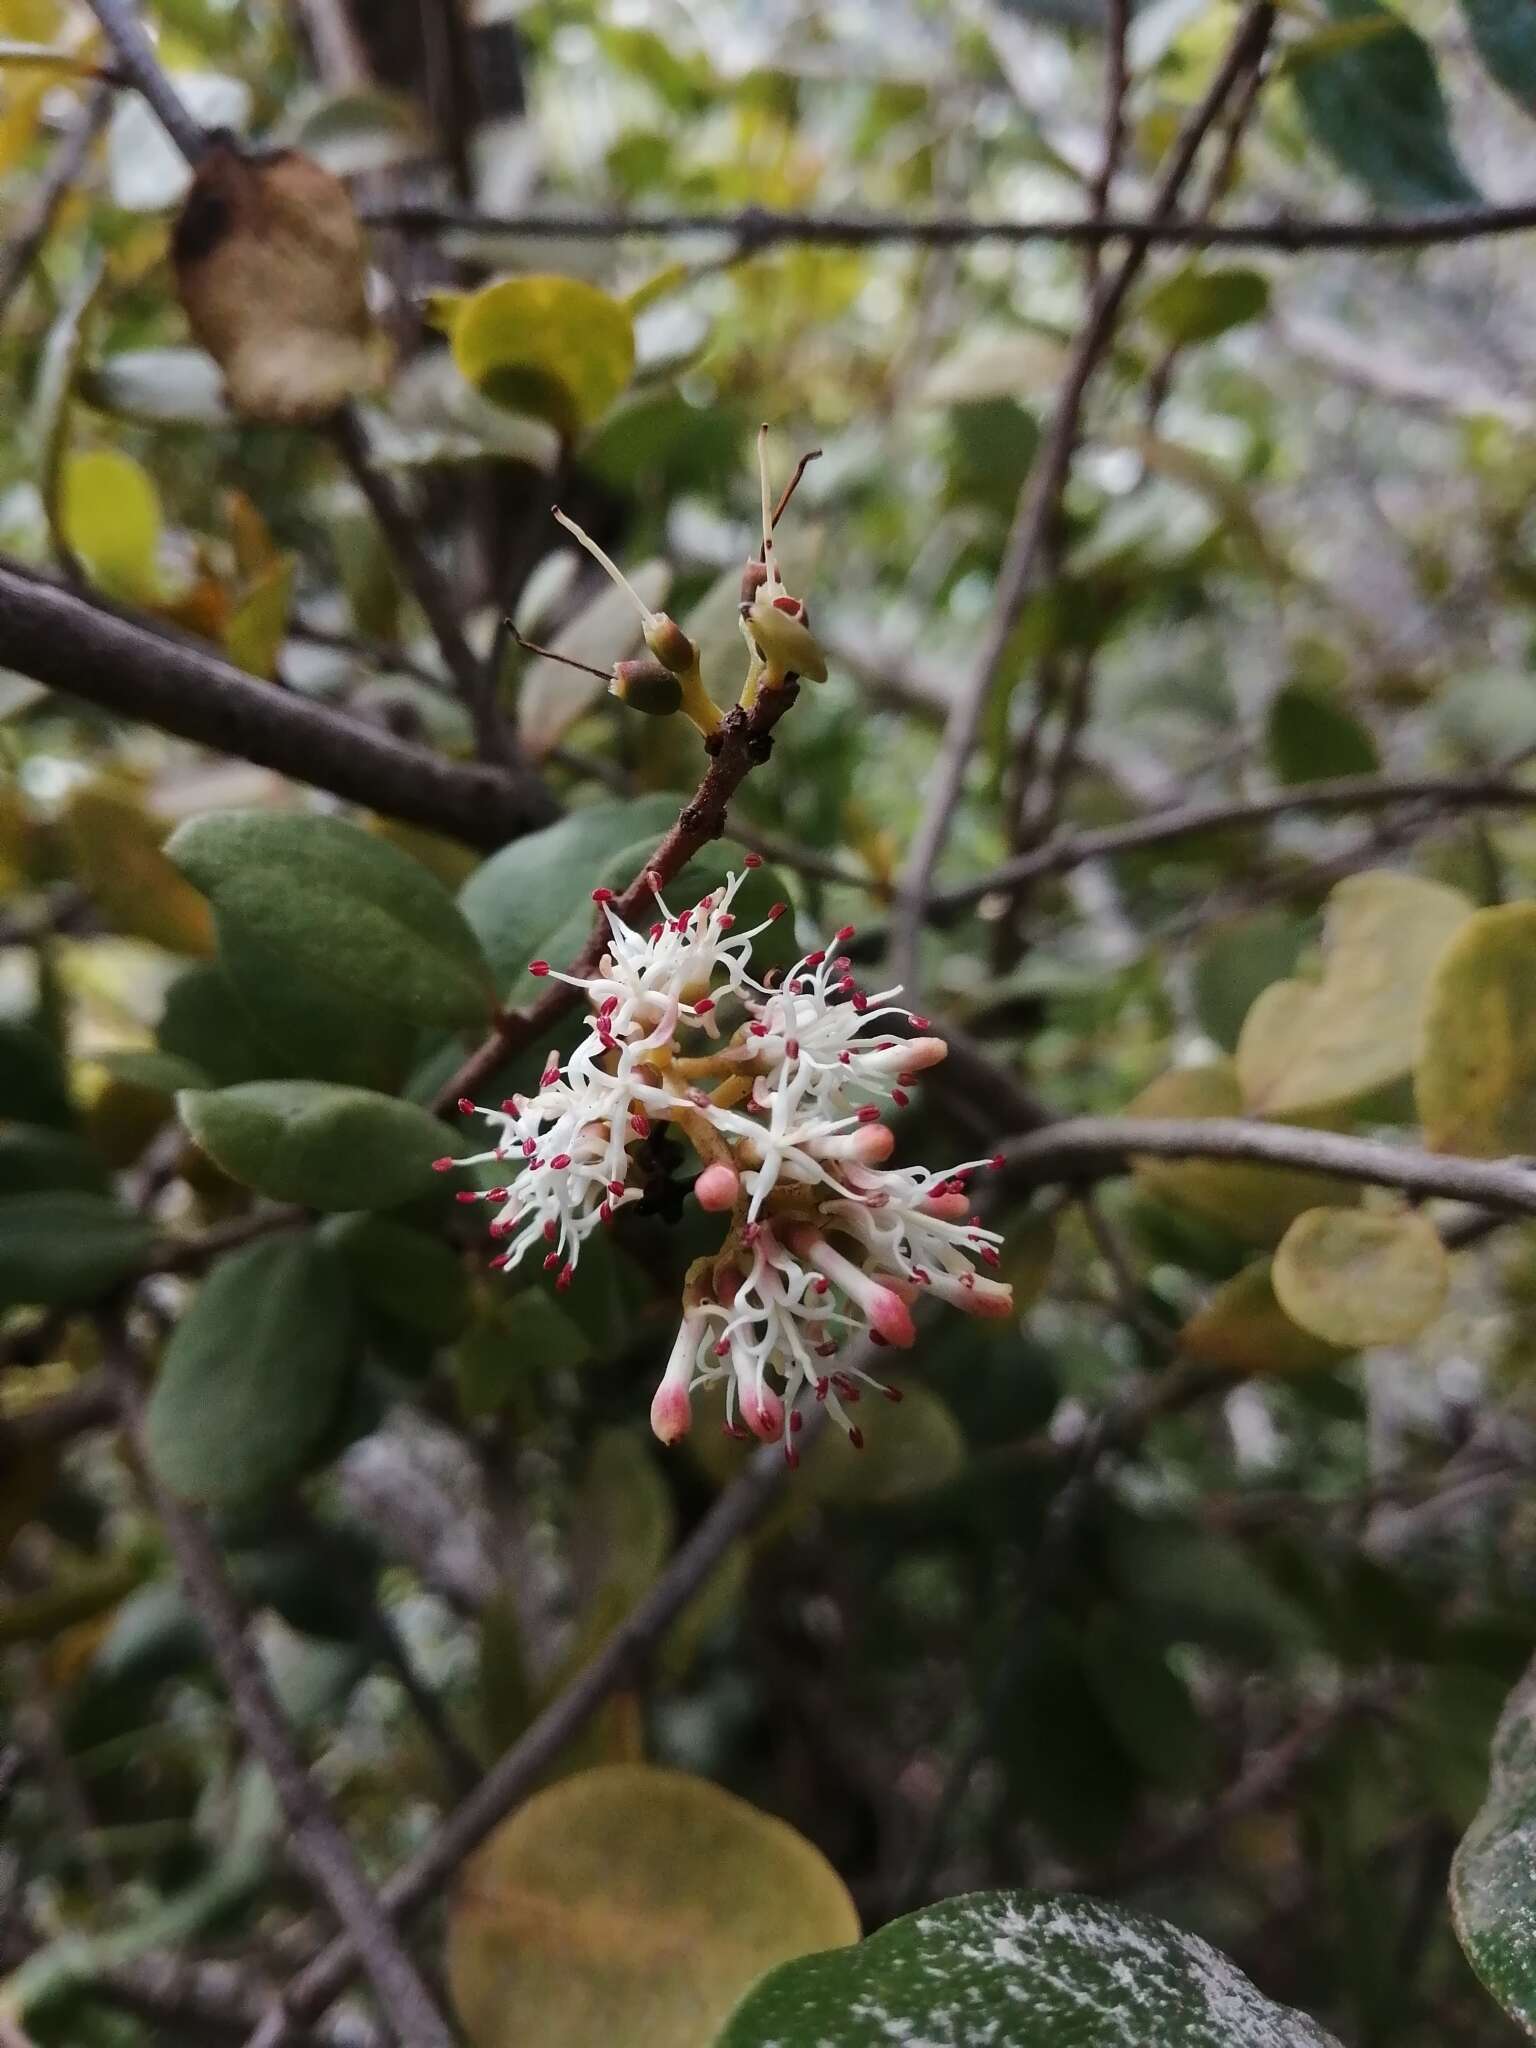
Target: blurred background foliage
[{"x": 1256, "y": 1687}]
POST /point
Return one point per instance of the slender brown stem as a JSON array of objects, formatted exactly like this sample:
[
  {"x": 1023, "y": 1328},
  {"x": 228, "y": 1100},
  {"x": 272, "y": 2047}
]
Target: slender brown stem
[
  {"x": 63, "y": 174},
  {"x": 317, "y": 1840}
]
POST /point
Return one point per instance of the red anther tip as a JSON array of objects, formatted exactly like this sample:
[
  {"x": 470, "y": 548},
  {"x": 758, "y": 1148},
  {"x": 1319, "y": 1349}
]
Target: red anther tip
[
  {"x": 615, "y": 1187},
  {"x": 538, "y": 969},
  {"x": 443, "y": 1165},
  {"x": 566, "y": 1271},
  {"x": 821, "y": 1389},
  {"x": 893, "y": 1394},
  {"x": 550, "y": 1233},
  {"x": 560, "y": 1162},
  {"x": 778, "y": 909},
  {"x": 919, "y": 1023},
  {"x": 845, "y": 1058},
  {"x": 998, "y": 1162},
  {"x": 653, "y": 881},
  {"x": 856, "y": 1438},
  {"x": 758, "y": 1030},
  {"x": 602, "y": 895},
  {"x": 703, "y": 1006},
  {"x": 552, "y": 1259},
  {"x": 796, "y": 1420},
  {"x": 791, "y": 1455},
  {"x": 860, "y": 1003},
  {"x": 815, "y": 959},
  {"x": 869, "y": 1114},
  {"x": 845, "y": 933},
  {"x": 466, "y": 1107},
  {"x": 465, "y": 1195},
  {"x": 656, "y": 931},
  {"x": 900, "y": 1097},
  {"x": 509, "y": 1105},
  {"x": 498, "y": 1264},
  {"x": 753, "y": 860}
]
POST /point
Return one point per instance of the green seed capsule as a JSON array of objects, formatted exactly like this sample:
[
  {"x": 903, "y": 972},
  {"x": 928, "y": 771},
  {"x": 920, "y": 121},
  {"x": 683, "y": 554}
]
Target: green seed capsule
[{"x": 646, "y": 685}]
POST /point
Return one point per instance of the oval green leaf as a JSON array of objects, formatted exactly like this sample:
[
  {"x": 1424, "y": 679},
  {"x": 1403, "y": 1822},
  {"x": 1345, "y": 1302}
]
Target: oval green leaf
[
  {"x": 1371, "y": 96},
  {"x": 1493, "y": 1876},
  {"x": 556, "y": 347},
  {"x": 1019, "y": 1971},
  {"x": 1243, "y": 1329},
  {"x": 253, "y": 1373},
  {"x": 635, "y": 1905},
  {"x": 1196, "y": 304},
  {"x": 317, "y": 1143},
  {"x": 1354, "y": 1278},
  {"x": 64, "y": 1248},
  {"x": 109, "y": 514},
  {"x": 1476, "y": 1078},
  {"x": 1309, "y": 1048},
  {"x": 338, "y": 944}
]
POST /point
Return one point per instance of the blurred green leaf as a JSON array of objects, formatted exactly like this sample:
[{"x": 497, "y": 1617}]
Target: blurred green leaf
[
  {"x": 404, "y": 1273},
  {"x": 556, "y": 347},
  {"x": 316, "y": 1142},
  {"x": 32, "y": 1084},
  {"x": 109, "y": 516},
  {"x": 1311, "y": 736},
  {"x": 1504, "y": 32},
  {"x": 62, "y": 1248},
  {"x": 1353, "y": 1277},
  {"x": 1476, "y": 1078},
  {"x": 253, "y": 1373},
  {"x": 1197, "y": 303},
  {"x": 1234, "y": 966},
  {"x": 1373, "y": 101},
  {"x": 1493, "y": 1877}
]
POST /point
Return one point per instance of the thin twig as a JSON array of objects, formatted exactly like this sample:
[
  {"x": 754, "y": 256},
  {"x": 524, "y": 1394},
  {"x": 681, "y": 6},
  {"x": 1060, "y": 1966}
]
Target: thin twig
[
  {"x": 1039, "y": 500},
  {"x": 1341, "y": 793},
  {"x": 138, "y": 64},
  {"x": 755, "y": 228},
  {"x": 317, "y": 1840},
  {"x": 60, "y": 179},
  {"x": 743, "y": 741}
]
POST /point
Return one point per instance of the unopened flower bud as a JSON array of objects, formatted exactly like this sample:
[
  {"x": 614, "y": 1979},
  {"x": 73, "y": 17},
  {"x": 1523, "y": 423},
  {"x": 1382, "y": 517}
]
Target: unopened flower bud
[
  {"x": 784, "y": 639},
  {"x": 646, "y": 685},
  {"x": 718, "y": 1186},
  {"x": 669, "y": 643}
]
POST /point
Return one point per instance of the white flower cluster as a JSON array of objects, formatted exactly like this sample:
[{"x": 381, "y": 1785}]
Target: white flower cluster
[{"x": 825, "y": 1237}]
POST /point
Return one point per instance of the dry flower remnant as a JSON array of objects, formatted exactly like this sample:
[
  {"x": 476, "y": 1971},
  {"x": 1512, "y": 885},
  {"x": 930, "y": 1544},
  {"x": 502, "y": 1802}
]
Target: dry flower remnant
[{"x": 779, "y": 1085}]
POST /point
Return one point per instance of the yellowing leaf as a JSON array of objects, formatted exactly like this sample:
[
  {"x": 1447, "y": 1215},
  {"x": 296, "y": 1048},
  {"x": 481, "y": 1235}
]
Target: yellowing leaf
[
  {"x": 556, "y": 347},
  {"x": 109, "y": 515},
  {"x": 1307, "y": 1047},
  {"x": 1354, "y": 1277},
  {"x": 1476, "y": 1079},
  {"x": 1243, "y": 1329},
  {"x": 271, "y": 269},
  {"x": 115, "y": 846},
  {"x": 258, "y": 625},
  {"x": 632, "y": 1905},
  {"x": 1255, "y": 1203}
]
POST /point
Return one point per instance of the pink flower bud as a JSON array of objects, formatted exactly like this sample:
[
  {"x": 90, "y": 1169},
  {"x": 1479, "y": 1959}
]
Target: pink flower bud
[
  {"x": 671, "y": 1412},
  {"x": 718, "y": 1187}
]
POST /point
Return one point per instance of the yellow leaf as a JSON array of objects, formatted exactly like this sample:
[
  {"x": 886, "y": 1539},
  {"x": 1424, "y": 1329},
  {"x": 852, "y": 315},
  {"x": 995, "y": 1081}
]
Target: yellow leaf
[
  {"x": 1243, "y": 1329},
  {"x": 632, "y": 1905},
  {"x": 109, "y": 515},
  {"x": 115, "y": 847},
  {"x": 1310, "y": 1047},
  {"x": 1476, "y": 1079},
  {"x": 1354, "y": 1277},
  {"x": 556, "y": 347},
  {"x": 258, "y": 625},
  {"x": 271, "y": 269}
]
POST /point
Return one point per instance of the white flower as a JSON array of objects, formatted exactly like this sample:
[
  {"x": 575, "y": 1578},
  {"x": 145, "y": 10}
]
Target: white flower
[{"x": 824, "y": 1239}]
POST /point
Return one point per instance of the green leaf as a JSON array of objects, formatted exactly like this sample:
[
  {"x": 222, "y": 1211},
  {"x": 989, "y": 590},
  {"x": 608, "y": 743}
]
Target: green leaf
[
  {"x": 526, "y": 1335},
  {"x": 206, "y": 1024},
  {"x": 1022, "y": 1970},
  {"x": 533, "y": 900},
  {"x": 315, "y": 1142},
  {"x": 1493, "y": 1876},
  {"x": 338, "y": 944},
  {"x": 258, "y": 625},
  {"x": 1310, "y": 1048},
  {"x": 1235, "y": 966},
  {"x": 1311, "y": 736},
  {"x": 33, "y": 1157},
  {"x": 1504, "y": 32},
  {"x": 32, "y": 1083},
  {"x": 109, "y": 513},
  {"x": 1373, "y": 101},
  {"x": 1196, "y": 304},
  {"x": 404, "y": 1273},
  {"x": 1353, "y": 1277},
  {"x": 556, "y": 347},
  {"x": 632, "y": 1905},
  {"x": 253, "y": 1374},
  {"x": 64, "y": 1249},
  {"x": 1476, "y": 1078}
]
